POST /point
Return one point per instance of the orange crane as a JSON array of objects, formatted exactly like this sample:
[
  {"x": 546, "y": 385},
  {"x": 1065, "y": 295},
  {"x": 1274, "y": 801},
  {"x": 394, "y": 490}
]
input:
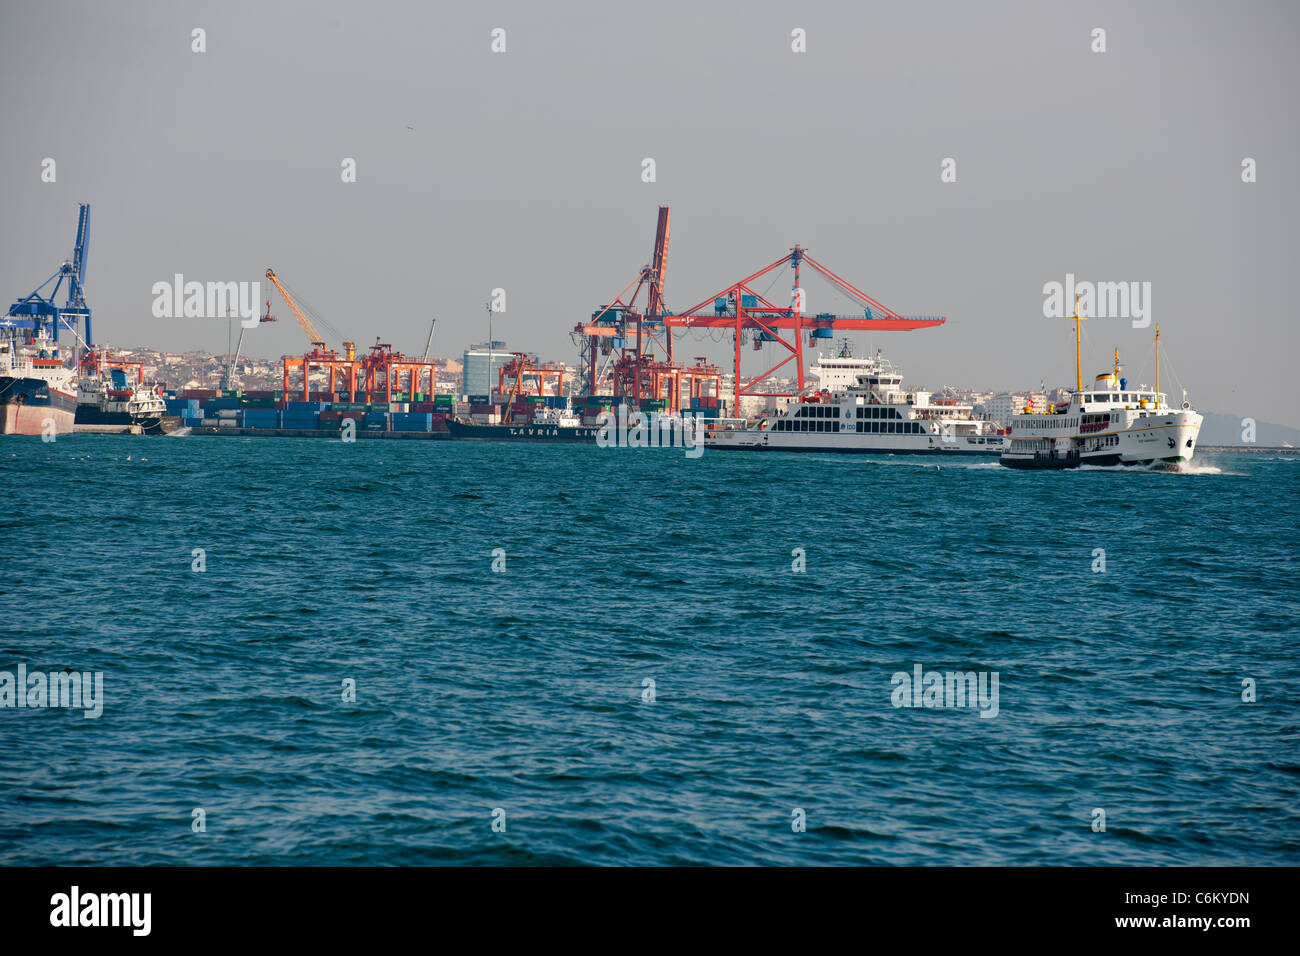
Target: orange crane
[{"x": 314, "y": 337}]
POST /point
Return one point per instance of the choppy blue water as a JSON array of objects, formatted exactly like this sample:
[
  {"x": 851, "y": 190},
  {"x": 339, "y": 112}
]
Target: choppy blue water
[{"x": 523, "y": 690}]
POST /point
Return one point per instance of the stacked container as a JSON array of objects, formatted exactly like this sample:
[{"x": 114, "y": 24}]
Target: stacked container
[
  {"x": 259, "y": 418},
  {"x": 412, "y": 421}
]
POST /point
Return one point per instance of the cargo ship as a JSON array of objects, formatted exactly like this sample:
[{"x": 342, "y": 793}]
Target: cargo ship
[
  {"x": 546, "y": 424},
  {"x": 38, "y": 393},
  {"x": 862, "y": 407},
  {"x": 1106, "y": 424}
]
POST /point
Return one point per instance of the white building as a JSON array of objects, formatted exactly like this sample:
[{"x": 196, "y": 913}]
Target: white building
[{"x": 481, "y": 365}]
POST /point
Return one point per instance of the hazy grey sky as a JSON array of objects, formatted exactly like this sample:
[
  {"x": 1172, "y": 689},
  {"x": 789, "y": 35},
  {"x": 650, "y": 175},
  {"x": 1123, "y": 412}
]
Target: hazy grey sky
[{"x": 523, "y": 170}]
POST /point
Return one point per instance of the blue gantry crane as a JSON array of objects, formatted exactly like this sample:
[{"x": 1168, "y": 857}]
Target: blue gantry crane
[{"x": 37, "y": 311}]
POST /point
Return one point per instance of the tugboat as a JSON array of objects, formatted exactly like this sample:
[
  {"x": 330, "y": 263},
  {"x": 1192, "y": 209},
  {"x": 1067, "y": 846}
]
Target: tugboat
[
  {"x": 38, "y": 393},
  {"x": 1107, "y": 424},
  {"x": 863, "y": 407},
  {"x": 105, "y": 396}
]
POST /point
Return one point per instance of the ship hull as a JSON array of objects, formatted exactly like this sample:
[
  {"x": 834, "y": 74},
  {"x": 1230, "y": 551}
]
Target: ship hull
[
  {"x": 573, "y": 434},
  {"x": 28, "y": 406},
  {"x": 94, "y": 415},
  {"x": 1167, "y": 442},
  {"x": 851, "y": 444}
]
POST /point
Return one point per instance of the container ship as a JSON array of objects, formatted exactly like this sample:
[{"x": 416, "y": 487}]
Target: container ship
[
  {"x": 38, "y": 393},
  {"x": 525, "y": 421},
  {"x": 550, "y": 418},
  {"x": 1106, "y": 424},
  {"x": 862, "y": 407}
]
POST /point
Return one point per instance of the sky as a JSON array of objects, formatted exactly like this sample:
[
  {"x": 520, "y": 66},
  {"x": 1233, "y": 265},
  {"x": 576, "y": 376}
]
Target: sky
[{"x": 522, "y": 171}]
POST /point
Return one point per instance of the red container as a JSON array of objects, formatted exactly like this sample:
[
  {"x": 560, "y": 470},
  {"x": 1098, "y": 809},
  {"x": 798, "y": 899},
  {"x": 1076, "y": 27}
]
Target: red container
[
  {"x": 199, "y": 393},
  {"x": 259, "y": 393},
  {"x": 422, "y": 407}
]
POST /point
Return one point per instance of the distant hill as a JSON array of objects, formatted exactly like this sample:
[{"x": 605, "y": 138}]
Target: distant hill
[{"x": 1226, "y": 430}]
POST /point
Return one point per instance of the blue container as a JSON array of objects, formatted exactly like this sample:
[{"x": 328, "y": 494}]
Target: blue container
[
  {"x": 749, "y": 301},
  {"x": 823, "y": 333},
  {"x": 304, "y": 406}
]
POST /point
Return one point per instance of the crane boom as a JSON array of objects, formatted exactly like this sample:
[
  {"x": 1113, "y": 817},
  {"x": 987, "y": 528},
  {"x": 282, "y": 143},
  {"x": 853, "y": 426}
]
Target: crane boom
[{"x": 314, "y": 337}]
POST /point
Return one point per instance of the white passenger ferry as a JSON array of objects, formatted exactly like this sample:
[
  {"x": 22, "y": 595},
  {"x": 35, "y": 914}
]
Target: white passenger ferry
[
  {"x": 1107, "y": 424},
  {"x": 863, "y": 407}
]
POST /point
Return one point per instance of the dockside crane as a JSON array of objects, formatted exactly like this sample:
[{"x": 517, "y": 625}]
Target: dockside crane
[
  {"x": 36, "y": 311},
  {"x": 228, "y": 373},
  {"x": 740, "y": 309},
  {"x": 309, "y": 328}
]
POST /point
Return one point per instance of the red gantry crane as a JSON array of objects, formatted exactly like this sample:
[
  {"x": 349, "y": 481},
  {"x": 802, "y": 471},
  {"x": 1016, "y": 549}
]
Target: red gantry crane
[
  {"x": 739, "y": 307},
  {"x": 379, "y": 372}
]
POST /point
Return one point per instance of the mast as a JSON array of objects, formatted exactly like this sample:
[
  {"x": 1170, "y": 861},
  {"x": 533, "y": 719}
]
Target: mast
[
  {"x": 1078, "y": 365},
  {"x": 1117, "y": 368},
  {"x": 1157, "y": 364}
]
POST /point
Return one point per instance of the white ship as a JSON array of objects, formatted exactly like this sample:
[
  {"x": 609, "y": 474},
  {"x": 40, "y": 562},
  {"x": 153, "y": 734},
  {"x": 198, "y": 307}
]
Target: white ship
[
  {"x": 1107, "y": 424},
  {"x": 863, "y": 407}
]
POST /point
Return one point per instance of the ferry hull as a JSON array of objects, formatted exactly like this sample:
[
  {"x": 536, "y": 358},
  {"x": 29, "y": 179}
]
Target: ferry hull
[
  {"x": 29, "y": 406},
  {"x": 987, "y": 452},
  {"x": 851, "y": 443}
]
